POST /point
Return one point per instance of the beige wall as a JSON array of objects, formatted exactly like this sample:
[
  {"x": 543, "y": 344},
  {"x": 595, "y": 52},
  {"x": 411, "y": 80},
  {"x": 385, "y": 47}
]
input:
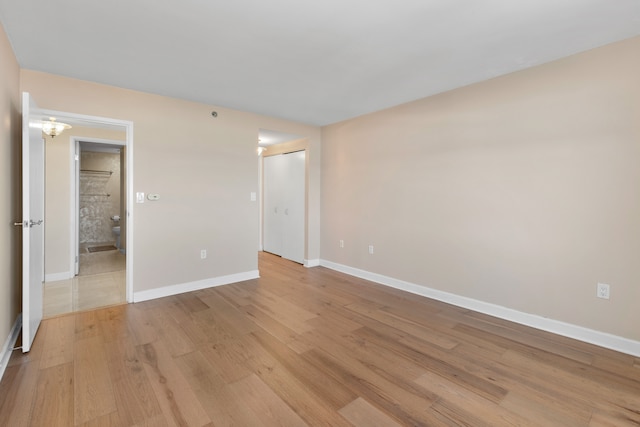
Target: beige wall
[
  {"x": 204, "y": 169},
  {"x": 522, "y": 191},
  {"x": 10, "y": 197},
  {"x": 58, "y": 176}
]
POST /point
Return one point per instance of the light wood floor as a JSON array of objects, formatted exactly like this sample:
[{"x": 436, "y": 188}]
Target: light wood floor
[{"x": 310, "y": 347}]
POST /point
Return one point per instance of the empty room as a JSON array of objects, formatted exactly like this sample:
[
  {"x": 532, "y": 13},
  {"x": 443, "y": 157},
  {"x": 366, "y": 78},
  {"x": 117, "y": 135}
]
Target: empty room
[{"x": 415, "y": 213}]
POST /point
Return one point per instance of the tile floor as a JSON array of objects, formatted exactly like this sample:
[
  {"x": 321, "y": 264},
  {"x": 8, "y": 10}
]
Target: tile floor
[{"x": 100, "y": 282}]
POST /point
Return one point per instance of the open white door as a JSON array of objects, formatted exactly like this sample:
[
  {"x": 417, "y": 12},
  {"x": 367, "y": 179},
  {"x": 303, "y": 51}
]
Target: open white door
[
  {"x": 32, "y": 224},
  {"x": 76, "y": 210}
]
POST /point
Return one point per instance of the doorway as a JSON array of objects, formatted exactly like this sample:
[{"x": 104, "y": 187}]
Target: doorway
[
  {"x": 95, "y": 270},
  {"x": 100, "y": 222},
  {"x": 100, "y": 206},
  {"x": 283, "y": 174}
]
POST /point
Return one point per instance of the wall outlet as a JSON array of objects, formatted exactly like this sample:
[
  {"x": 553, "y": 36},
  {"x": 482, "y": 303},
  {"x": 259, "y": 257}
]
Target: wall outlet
[
  {"x": 371, "y": 249},
  {"x": 203, "y": 254},
  {"x": 342, "y": 243},
  {"x": 603, "y": 291}
]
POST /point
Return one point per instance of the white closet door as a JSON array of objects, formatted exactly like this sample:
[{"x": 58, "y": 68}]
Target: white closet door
[
  {"x": 294, "y": 195},
  {"x": 284, "y": 202},
  {"x": 272, "y": 193}
]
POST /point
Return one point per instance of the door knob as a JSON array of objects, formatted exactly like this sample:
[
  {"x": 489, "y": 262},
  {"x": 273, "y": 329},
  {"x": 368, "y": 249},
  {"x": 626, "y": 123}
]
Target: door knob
[{"x": 19, "y": 224}]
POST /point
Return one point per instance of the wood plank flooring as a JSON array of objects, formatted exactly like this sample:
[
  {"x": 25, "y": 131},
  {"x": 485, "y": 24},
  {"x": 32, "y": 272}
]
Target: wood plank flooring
[{"x": 310, "y": 347}]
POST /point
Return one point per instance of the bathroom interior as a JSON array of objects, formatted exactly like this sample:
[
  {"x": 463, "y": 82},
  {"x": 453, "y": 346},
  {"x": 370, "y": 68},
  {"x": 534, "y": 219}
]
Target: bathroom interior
[
  {"x": 100, "y": 201},
  {"x": 101, "y": 230}
]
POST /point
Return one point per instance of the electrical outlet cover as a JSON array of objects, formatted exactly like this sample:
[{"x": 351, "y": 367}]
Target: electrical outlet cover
[{"x": 603, "y": 291}]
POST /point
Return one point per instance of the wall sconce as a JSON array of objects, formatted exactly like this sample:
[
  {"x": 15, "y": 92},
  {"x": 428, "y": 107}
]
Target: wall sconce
[{"x": 53, "y": 128}]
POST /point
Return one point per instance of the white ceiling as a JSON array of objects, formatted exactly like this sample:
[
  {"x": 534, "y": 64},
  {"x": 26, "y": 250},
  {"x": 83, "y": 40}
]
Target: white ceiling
[{"x": 315, "y": 62}]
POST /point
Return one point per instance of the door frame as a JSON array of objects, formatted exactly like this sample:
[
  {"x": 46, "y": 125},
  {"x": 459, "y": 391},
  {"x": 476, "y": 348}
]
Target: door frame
[
  {"x": 75, "y": 194},
  {"x": 116, "y": 124}
]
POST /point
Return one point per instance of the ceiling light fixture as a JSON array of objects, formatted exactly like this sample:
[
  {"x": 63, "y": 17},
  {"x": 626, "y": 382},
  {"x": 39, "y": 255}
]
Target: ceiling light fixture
[{"x": 53, "y": 128}]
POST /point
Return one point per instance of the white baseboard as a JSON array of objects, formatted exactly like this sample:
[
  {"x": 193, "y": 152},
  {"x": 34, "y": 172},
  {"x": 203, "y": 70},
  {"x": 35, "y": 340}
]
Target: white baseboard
[
  {"x": 54, "y": 277},
  {"x": 7, "y": 348},
  {"x": 194, "y": 286},
  {"x": 311, "y": 263},
  {"x": 557, "y": 327}
]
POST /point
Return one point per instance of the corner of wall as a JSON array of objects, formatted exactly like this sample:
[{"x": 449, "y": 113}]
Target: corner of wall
[
  {"x": 10, "y": 192},
  {"x": 7, "y": 348}
]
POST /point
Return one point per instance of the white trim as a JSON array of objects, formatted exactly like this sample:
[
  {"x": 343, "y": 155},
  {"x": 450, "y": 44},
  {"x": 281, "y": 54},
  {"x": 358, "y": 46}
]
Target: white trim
[
  {"x": 311, "y": 263},
  {"x": 74, "y": 189},
  {"x": 194, "y": 286},
  {"x": 557, "y": 327},
  {"x": 129, "y": 213},
  {"x": 54, "y": 277},
  {"x": 7, "y": 348}
]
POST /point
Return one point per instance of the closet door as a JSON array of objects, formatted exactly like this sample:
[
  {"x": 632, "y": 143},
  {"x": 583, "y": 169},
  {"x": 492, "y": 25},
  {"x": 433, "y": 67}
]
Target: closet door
[
  {"x": 273, "y": 170},
  {"x": 294, "y": 195},
  {"x": 284, "y": 202}
]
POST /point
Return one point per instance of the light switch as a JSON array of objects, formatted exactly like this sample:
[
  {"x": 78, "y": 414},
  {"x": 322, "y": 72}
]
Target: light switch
[
  {"x": 153, "y": 197},
  {"x": 253, "y": 196},
  {"x": 139, "y": 197}
]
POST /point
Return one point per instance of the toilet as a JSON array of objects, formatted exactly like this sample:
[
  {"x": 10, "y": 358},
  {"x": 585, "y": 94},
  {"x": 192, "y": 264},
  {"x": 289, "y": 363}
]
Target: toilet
[
  {"x": 116, "y": 229},
  {"x": 116, "y": 232}
]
